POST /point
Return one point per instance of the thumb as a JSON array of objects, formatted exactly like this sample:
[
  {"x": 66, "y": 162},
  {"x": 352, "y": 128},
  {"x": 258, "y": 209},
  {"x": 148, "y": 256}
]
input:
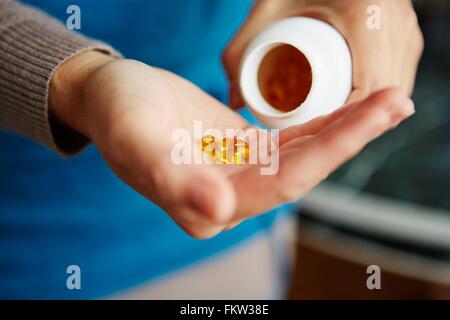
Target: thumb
[{"x": 195, "y": 195}]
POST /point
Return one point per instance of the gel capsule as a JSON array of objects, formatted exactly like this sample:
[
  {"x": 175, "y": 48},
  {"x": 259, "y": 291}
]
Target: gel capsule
[
  {"x": 225, "y": 151},
  {"x": 206, "y": 142},
  {"x": 208, "y": 145},
  {"x": 233, "y": 151}
]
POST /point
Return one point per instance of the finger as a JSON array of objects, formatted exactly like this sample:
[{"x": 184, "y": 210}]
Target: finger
[
  {"x": 407, "y": 52},
  {"x": 358, "y": 94},
  {"x": 324, "y": 153},
  {"x": 186, "y": 219},
  {"x": 372, "y": 63},
  {"x": 233, "y": 225},
  {"x": 412, "y": 58},
  {"x": 294, "y": 143},
  {"x": 201, "y": 202},
  {"x": 309, "y": 164},
  {"x": 203, "y": 191},
  {"x": 314, "y": 126}
]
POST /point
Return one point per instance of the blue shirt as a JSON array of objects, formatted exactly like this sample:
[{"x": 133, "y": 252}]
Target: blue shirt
[{"x": 56, "y": 212}]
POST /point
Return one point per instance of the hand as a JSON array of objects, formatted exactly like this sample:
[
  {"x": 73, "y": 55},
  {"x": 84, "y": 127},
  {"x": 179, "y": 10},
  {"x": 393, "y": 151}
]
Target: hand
[
  {"x": 381, "y": 58},
  {"x": 130, "y": 110}
]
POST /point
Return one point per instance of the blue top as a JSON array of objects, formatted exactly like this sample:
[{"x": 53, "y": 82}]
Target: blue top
[{"x": 57, "y": 212}]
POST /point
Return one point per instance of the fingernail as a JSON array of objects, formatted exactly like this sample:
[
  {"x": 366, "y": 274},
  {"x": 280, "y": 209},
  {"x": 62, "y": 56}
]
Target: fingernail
[
  {"x": 409, "y": 108},
  {"x": 405, "y": 110}
]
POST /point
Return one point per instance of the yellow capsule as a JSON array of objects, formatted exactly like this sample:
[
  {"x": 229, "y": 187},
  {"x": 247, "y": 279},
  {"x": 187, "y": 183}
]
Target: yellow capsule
[
  {"x": 206, "y": 141},
  {"x": 226, "y": 151},
  {"x": 238, "y": 159},
  {"x": 223, "y": 147},
  {"x": 208, "y": 146},
  {"x": 242, "y": 149},
  {"x": 234, "y": 151},
  {"x": 242, "y": 154}
]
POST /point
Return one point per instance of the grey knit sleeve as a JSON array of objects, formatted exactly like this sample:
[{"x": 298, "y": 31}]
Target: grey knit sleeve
[{"x": 32, "y": 46}]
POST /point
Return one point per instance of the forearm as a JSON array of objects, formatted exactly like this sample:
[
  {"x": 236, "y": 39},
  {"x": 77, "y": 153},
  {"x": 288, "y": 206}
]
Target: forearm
[{"x": 32, "y": 47}]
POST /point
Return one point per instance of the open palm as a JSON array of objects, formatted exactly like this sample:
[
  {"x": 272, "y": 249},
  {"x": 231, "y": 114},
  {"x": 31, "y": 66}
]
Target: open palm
[{"x": 137, "y": 108}]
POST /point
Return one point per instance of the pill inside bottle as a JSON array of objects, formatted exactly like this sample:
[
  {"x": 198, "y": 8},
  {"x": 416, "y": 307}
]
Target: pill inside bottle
[{"x": 285, "y": 77}]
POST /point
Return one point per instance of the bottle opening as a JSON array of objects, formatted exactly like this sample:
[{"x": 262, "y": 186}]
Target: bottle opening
[{"x": 285, "y": 77}]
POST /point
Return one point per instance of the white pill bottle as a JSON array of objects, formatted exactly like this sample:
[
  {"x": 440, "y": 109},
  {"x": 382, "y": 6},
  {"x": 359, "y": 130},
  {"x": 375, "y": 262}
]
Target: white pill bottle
[{"x": 297, "y": 69}]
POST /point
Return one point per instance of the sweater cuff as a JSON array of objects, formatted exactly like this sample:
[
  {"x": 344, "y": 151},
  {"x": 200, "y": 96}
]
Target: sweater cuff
[{"x": 32, "y": 46}]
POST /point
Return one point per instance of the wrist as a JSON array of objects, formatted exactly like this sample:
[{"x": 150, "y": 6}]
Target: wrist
[{"x": 67, "y": 98}]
